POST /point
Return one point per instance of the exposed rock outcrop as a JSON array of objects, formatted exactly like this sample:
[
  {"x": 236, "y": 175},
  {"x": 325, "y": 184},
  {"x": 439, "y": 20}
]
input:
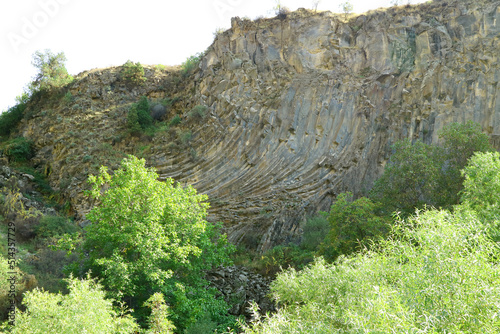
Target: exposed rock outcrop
[
  {"x": 240, "y": 287},
  {"x": 300, "y": 108}
]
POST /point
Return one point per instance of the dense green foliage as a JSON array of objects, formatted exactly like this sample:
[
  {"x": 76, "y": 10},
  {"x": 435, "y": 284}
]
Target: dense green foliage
[
  {"x": 18, "y": 149},
  {"x": 460, "y": 141},
  {"x": 84, "y": 310},
  {"x": 418, "y": 174},
  {"x": 158, "y": 321},
  {"x": 437, "y": 273},
  {"x": 482, "y": 189},
  {"x": 410, "y": 178},
  {"x": 133, "y": 73},
  {"x": 11, "y": 117},
  {"x": 52, "y": 72},
  {"x": 54, "y": 226},
  {"x": 314, "y": 231},
  {"x": 139, "y": 117},
  {"x": 149, "y": 236},
  {"x": 353, "y": 223}
]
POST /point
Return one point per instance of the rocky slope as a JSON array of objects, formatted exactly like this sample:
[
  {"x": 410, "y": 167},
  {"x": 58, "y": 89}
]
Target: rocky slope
[{"x": 300, "y": 108}]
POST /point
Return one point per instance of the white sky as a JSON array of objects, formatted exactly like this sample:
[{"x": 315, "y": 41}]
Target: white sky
[{"x": 102, "y": 33}]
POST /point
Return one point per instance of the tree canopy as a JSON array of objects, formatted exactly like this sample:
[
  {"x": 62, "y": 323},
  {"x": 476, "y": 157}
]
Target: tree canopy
[{"x": 150, "y": 236}]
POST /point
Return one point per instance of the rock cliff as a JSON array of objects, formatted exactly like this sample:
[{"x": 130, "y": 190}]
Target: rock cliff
[{"x": 299, "y": 108}]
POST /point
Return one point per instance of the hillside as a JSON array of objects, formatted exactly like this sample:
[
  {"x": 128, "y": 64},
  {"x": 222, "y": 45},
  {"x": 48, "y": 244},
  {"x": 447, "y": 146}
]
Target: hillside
[{"x": 296, "y": 109}]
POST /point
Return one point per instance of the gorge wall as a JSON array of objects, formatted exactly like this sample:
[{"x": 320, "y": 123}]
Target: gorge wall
[{"x": 300, "y": 108}]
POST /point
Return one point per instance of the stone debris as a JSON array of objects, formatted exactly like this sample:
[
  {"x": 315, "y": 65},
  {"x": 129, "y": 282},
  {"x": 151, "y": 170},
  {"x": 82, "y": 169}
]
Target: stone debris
[{"x": 238, "y": 287}]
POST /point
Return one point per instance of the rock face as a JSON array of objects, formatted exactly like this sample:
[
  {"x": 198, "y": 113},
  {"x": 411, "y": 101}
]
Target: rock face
[
  {"x": 240, "y": 287},
  {"x": 308, "y": 105}
]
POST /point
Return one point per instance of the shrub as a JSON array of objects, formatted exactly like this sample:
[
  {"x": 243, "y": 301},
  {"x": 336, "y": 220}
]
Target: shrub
[
  {"x": 138, "y": 117},
  {"x": 158, "y": 320},
  {"x": 149, "y": 236},
  {"x": 52, "y": 72},
  {"x": 18, "y": 149},
  {"x": 314, "y": 231},
  {"x": 23, "y": 284},
  {"x": 438, "y": 273},
  {"x": 142, "y": 107},
  {"x": 176, "y": 120},
  {"x": 482, "y": 189},
  {"x": 410, "y": 177},
  {"x": 133, "y": 73},
  {"x": 419, "y": 174},
  {"x": 54, "y": 226},
  {"x": 185, "y": 137},
  {"x": 198, "y": 112},
  {"x": 68, "y": 98},
  {"x": 11, "y": 117},
  {"x": 133, "y": 122},
  {"x": 460, "y": 141},
  {"x": 83, "y": 310},
  {"x": 282, "y": 257},
  {"x": 190, "y": 65},
  {"x": 353, "y": 225}
]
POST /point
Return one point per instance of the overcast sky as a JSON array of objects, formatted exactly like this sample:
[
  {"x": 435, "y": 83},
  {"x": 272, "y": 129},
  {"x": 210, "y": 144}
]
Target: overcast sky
[{"x": 102, "y": 33}]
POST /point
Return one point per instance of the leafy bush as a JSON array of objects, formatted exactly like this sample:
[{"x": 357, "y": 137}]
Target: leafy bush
[
  {"x": 138, "y": 118},
  {"x": 419, "y": 174},
  {"x": 52, "y": 72},
  {"x": 185, "y": 136},
  {"x": 198, "y": 112},
  {"x": 190, "y": 65},
  {"x": 11, "y": 117},
  {"x": 142, "y": 107},
  {"x": 482, "y": 189},
  {"x": 460, "y": 141},
  {"x": 314, "y": 231},
  {"x": 133, "y": 73},
  {"x": 176, "y": 120},
  {"x": 149, "y": 236},
  {"x": 23, "y": 284},
  {"x": 54, "y": 226},
  {"x": 353, "y": 225},
  {"x": 18, "y": 149},
  {"x": 438, "y": 273},
  {"x": 83, "y": 310},
  {"x": 410, "y": 177},
  {"x": 158, "y": 320},
  {"x": 282, "y": 257}
]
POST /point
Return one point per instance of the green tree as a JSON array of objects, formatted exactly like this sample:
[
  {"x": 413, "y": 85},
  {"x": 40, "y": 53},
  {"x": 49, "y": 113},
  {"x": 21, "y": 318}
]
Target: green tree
[
  {"x": 52, "y": 72},
  {"x": 133, "y": 73},
  {"x": 352, "y": 225},
  {"x": 419, "y": 174},
  {"x": 84, "y": 310},
  {"x": 149, "y": 236},
  {"x": 410, "y": 178},
  {"x": 460, "y": 141},
  {"x": 139, "y": 117},
  {"x": 346, "y": 7}
]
